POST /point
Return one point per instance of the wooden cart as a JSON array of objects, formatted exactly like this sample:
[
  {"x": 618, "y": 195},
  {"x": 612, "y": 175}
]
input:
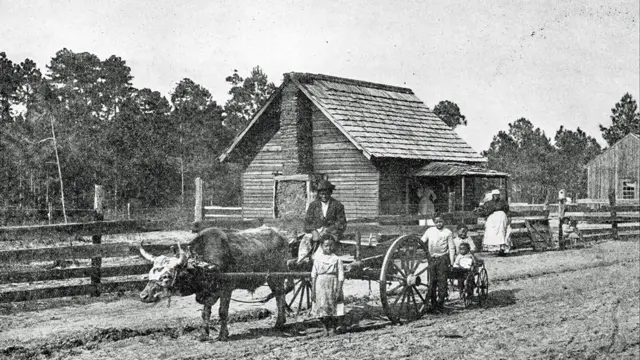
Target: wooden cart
[{"x": 398, "y": 265}]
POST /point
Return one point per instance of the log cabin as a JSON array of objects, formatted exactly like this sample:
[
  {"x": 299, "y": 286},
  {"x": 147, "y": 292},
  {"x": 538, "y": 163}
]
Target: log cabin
[{"x": 380, "y": 145}]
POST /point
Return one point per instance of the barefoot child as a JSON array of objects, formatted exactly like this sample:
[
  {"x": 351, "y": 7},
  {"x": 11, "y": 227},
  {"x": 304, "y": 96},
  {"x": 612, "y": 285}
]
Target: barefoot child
[
  {"x": 463, "y": 237},
  {"x": 327, "y": 277},
  {"x": 441, "y": 254}
]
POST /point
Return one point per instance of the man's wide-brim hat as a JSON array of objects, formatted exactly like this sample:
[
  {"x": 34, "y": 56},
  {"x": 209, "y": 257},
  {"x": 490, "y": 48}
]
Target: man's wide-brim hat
[{"x": 325, "y": 185}]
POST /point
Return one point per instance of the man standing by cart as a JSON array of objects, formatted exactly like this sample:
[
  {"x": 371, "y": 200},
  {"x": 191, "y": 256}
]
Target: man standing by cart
[
  {"x": 324, "y": 215},
  {"x": 441, "y": 254}
]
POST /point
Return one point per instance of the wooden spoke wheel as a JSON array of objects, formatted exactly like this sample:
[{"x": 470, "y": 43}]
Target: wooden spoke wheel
[
  {"x": 482, "y": 285},
  {"x": 301, "y": 296},
  {"x": 404, "y": 281}
]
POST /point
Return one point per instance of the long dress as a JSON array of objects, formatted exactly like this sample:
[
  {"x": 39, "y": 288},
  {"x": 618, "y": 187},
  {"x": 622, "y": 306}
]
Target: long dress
[
  {"x": 328, "y": 272},
  {"x": 497, "y": 234},
  {"x": 426, "y": 201}
]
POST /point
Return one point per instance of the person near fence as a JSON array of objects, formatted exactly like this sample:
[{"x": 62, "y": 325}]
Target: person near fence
[
  {"x": 496, "y": 229},
  {"x": 327, "y": 277},
  {"x": 462, "y": 237},
  {"x": 570, "y": 233},
  {"x": 324, "y": 215},
  {"x": 441, "y": 252}
]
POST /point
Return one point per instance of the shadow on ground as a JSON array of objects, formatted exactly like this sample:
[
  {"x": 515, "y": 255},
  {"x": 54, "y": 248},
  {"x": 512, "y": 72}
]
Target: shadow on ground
[{"x": 501, "y": 298}]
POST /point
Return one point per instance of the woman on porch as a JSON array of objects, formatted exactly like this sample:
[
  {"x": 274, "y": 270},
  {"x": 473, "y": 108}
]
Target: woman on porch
[{"x": 496, "y": 229}]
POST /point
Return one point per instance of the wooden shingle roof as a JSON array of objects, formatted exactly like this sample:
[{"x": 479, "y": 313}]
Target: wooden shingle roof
[{"x": 384, "y": 121}]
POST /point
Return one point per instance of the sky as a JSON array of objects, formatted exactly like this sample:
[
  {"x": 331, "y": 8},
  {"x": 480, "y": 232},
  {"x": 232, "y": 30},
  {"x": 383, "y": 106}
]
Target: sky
[{"x": 552, "y": 62}]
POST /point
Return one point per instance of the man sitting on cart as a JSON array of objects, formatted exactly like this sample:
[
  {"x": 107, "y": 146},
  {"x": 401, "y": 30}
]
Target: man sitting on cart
[{"x": 324, "y": 215}]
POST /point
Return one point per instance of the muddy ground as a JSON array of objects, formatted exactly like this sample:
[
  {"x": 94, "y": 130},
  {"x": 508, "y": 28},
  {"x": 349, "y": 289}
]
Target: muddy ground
[{"x": 581, "y": 304}]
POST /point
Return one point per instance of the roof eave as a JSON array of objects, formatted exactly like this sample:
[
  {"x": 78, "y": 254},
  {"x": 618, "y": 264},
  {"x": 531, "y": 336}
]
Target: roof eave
[
  {"x": 467, "y": 160},
  {"x": 255, "y": 118},
  {"x": 611, "y": 147}
]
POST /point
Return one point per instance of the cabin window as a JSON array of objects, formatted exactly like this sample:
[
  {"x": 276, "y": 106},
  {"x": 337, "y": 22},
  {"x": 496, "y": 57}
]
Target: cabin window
[{"x": 629, "y": 189}]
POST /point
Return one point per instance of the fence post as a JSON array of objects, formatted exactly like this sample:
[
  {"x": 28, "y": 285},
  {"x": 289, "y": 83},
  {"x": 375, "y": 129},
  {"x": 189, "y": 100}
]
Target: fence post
[
  {"x": 614, "y": 222},
  {"x": 358, "y": 239},
  {"x": 561, "y": 210},
  {"x": 96, "y": 263},
  {"x": 128, "y": 211},
  {"x": 199, "y": 206}
]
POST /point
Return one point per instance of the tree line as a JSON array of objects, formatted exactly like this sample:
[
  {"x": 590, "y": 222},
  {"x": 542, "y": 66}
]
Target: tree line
[
  {"x": 540, "y": 167},
  {"x": 81, "y": 122}
]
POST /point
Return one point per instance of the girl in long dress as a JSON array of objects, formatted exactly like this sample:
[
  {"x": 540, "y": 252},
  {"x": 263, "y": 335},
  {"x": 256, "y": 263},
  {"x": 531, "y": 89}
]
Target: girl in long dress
[{"x": 327, "y": 277}]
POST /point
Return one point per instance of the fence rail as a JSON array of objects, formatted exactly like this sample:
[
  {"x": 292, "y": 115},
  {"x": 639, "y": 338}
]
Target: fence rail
[
  {"x": 81, "y": 229},
  {"x": 222, "y": 212},
  {"x": 95, "y": 252},
  {"x": 104, "y": 279},
  {"x": 530, "y": 229}
]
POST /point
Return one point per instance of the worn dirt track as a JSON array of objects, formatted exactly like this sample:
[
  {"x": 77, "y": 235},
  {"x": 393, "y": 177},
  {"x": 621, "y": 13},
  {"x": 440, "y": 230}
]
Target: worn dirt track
[{"x": 580, "y": 304}]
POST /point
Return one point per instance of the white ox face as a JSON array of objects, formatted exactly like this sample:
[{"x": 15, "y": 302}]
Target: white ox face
[{"x": 163, "y": 274}]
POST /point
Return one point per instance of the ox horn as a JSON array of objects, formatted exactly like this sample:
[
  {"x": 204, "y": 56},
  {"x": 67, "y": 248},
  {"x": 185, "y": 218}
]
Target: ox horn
[
  {"x": 145, "y": 254},
  {"x": 182, "y": 256}
]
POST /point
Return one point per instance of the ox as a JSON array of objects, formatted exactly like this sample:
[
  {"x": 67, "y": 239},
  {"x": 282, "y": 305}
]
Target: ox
[{"x": 214, "y": 251}]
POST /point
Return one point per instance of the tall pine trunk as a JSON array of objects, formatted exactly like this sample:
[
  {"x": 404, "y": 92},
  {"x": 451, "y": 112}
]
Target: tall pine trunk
[{"x": 55, "y": 147}]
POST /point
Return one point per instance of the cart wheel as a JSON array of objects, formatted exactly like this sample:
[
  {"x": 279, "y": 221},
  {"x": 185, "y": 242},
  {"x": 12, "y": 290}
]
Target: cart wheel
[
  {"x": 467, "y": 292},
  {"x": 482, "y": 284},
  {"x": 404, "y": 280},
  {"x": 301, "y": 297}
]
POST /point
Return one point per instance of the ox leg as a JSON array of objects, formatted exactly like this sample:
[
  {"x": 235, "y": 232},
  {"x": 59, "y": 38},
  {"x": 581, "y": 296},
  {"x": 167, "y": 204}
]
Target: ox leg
[
  {"x": 208, "y": 302},
  {"x": 278, "y": 289},
  {"x": 223, "y": 313}
]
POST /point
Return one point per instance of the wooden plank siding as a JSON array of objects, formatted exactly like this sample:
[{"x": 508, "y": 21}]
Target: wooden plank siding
[
  {"x": 355, "y": 178},
  {"x": 393, "y": 177},
  {"x": 257, "y": 179},
  {"x": 616, "y": 164}
]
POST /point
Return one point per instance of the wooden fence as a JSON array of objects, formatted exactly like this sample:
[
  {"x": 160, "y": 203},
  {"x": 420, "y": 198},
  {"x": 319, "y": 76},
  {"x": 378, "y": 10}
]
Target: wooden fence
[
  {"x": 533, "y": 229},
  {"x": 102, "y": 279},
  {"x": 618, "y": 222}
]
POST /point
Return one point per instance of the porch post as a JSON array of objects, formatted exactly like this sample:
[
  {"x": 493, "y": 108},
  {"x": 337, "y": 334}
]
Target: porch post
[
  {"x": 406, "y": 196},
  {"x": 506, "y": 189},
  {"x": 462, "y": 194}
]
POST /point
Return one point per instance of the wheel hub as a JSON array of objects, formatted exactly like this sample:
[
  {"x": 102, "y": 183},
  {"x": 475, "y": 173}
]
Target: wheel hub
[{"x": 413, "y": 280}]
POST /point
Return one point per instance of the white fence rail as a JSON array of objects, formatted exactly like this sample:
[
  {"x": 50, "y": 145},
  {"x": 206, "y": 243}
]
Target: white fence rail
[{"x": 222, "y": 212}]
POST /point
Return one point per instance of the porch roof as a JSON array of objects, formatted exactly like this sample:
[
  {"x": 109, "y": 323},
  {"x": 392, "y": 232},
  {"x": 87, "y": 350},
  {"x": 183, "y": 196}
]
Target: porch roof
[{"x": 443, "y": 169}]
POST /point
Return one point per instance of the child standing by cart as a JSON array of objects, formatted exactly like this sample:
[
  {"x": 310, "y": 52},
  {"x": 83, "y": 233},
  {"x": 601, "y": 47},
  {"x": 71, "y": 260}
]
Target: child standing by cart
[
  {"x": 441, "y": 255},
  {"x": 327, "y": 277},
  {"x": 463, "y": 237}
]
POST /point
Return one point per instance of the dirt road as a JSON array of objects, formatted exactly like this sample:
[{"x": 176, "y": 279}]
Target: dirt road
[{"x": 582, "y": 304}]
